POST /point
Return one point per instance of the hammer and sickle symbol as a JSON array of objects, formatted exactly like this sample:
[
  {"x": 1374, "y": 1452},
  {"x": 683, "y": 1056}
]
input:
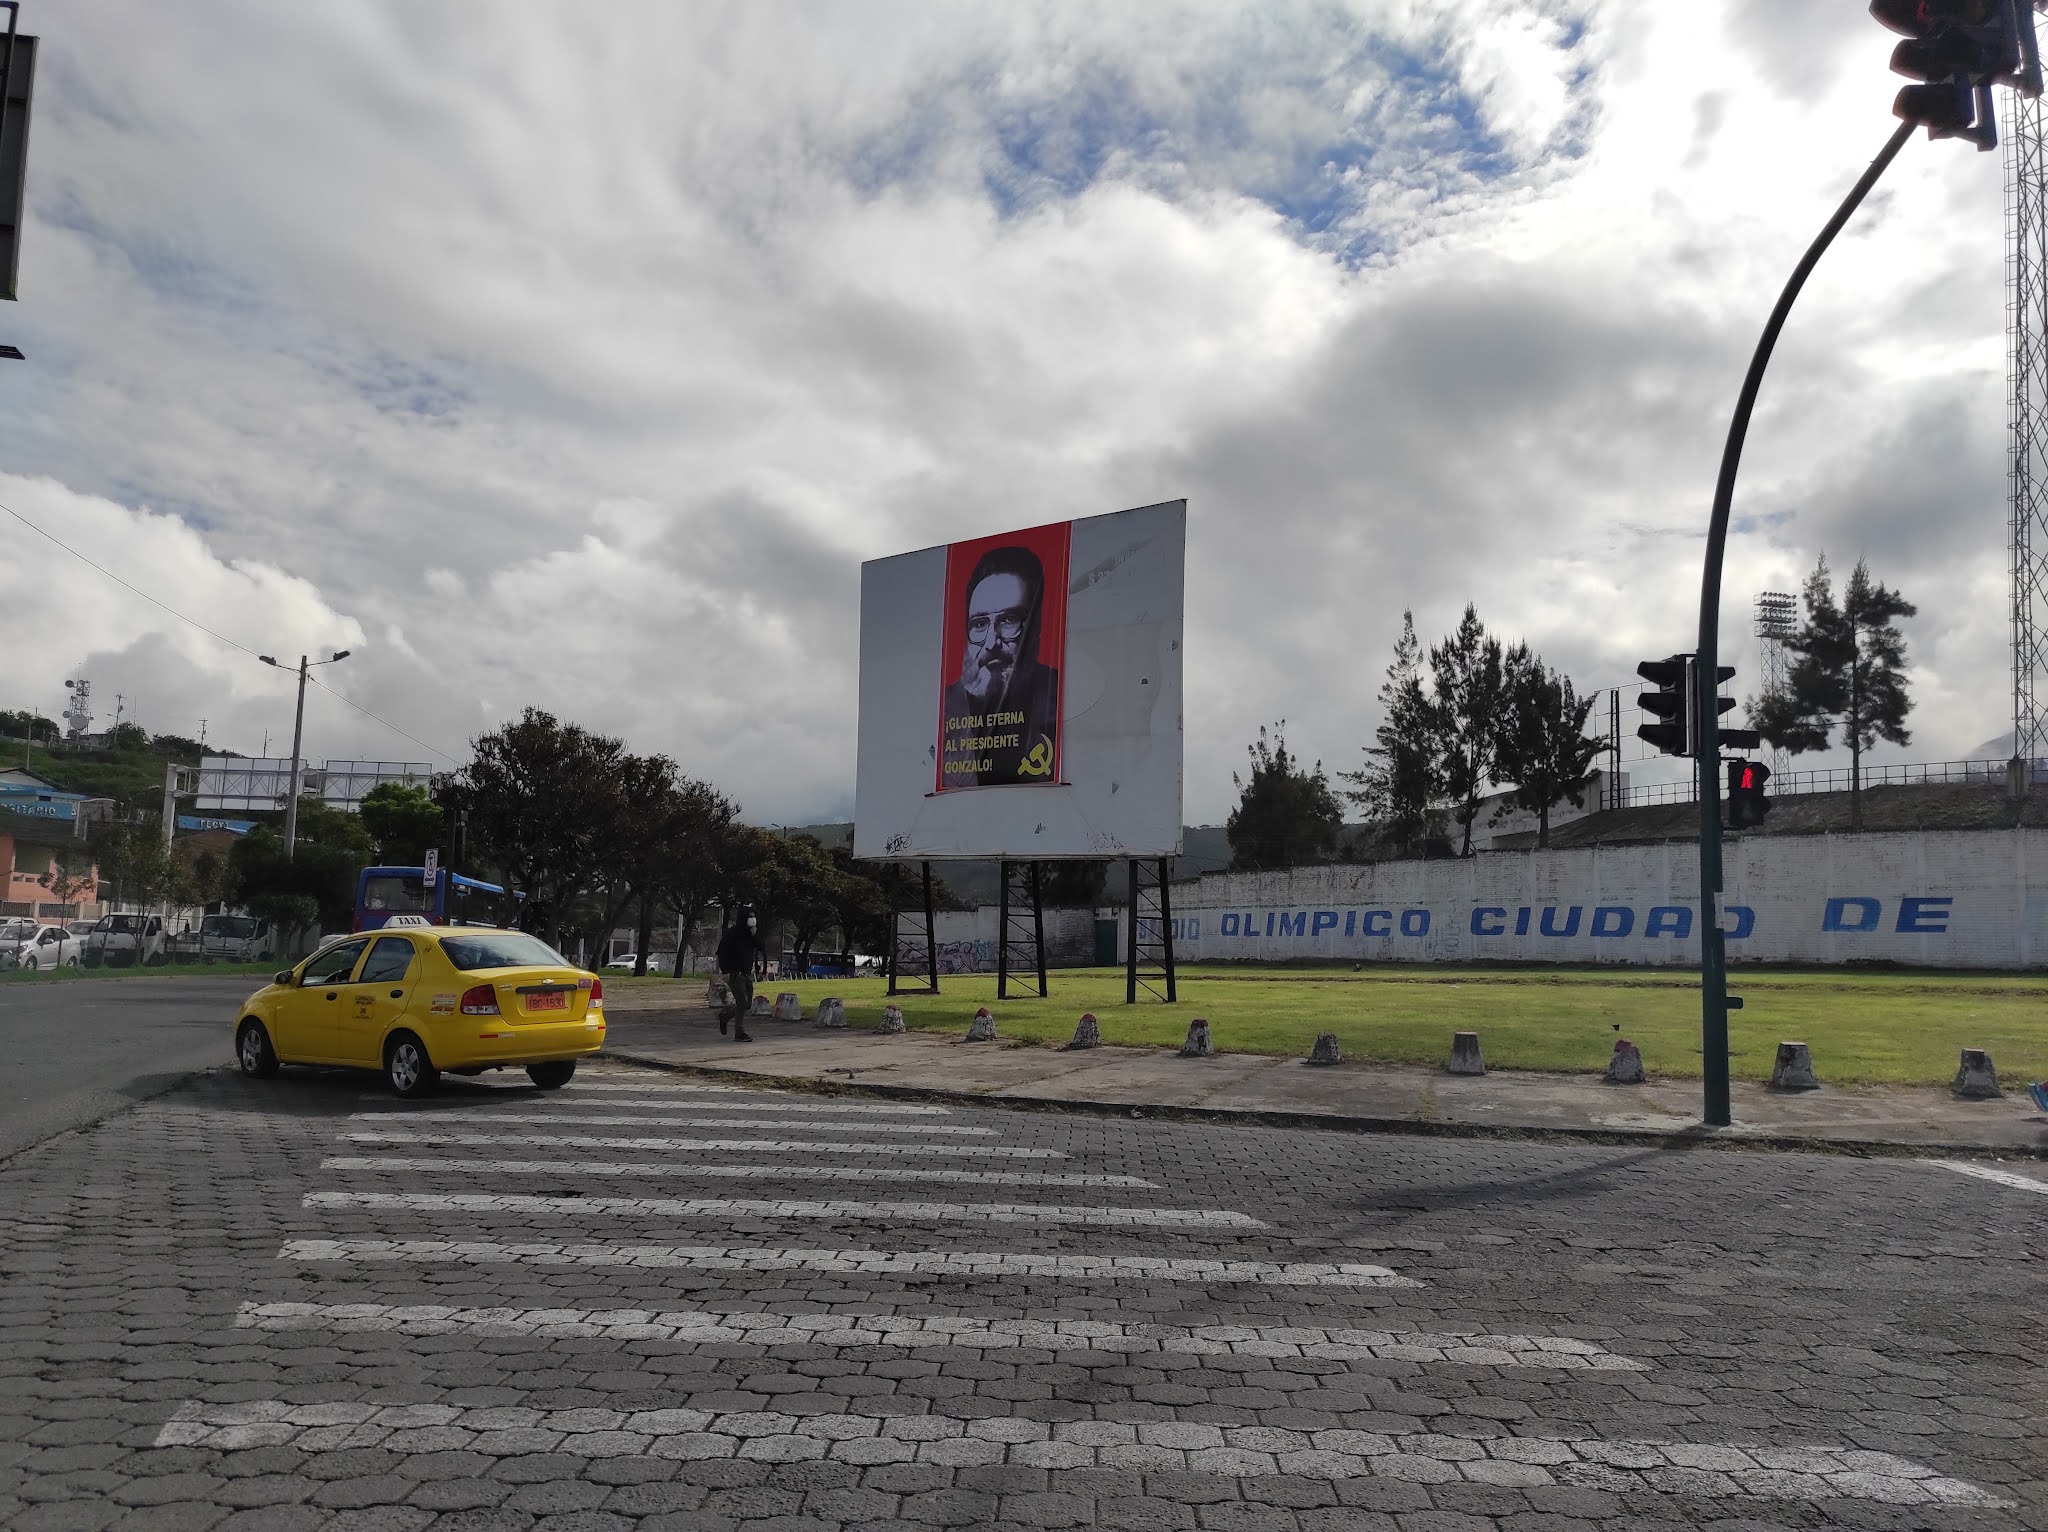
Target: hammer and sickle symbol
[{"x": 1039, "y": 762}]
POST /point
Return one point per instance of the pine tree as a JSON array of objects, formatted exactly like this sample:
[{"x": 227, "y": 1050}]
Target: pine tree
[
  {"x": 1849, "y": 670},
  {"x": 1398, "y": 784},
  {"x": 1285, "y": 816},
  {"x": 1468, "y": 681},
  {"x": 1543, "y": 748}
]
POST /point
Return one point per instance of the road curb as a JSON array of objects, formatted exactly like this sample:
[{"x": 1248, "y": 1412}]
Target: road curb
[{"x": 1693, "y": 1138}]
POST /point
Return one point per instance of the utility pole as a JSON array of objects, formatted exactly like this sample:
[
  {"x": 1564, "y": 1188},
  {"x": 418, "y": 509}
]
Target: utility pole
[{"x": 291, "y": 804}]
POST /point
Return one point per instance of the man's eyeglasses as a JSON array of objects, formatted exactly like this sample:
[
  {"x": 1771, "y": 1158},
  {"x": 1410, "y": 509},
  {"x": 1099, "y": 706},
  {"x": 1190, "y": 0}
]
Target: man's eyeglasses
[{"x": 1009, "y": 626}]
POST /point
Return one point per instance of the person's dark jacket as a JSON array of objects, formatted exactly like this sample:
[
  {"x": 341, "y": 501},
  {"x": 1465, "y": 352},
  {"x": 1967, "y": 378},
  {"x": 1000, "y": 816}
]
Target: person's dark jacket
[{"x": 739, "y": 950}]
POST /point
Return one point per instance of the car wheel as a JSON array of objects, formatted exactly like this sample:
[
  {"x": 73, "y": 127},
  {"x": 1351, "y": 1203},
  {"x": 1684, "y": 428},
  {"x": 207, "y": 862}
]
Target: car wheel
[
  {"x": 406, "y": 1065},
  {"x": 552, "y": 1075},
  {"x": 29, "y": 964},
  {"x": 253, "y": 1051}
]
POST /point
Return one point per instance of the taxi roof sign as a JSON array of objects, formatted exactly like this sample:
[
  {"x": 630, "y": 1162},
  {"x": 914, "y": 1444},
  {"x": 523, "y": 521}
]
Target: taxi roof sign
[{"x": 406, "y": 920}]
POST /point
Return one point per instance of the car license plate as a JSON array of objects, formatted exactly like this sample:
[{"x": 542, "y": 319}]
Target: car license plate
[{"x": 549, "y": 1000}]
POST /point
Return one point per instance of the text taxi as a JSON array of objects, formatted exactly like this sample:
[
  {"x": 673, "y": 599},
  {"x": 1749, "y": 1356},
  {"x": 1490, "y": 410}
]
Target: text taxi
[{"x": 415, "y": 999}]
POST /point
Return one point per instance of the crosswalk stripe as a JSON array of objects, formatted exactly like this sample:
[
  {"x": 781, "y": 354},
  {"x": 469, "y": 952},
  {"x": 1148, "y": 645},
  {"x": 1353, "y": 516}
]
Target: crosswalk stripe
[
  {"x": 872, "y": 1263},
  {"x": 485, "y": 1114},
  {"x": 584, "y": 1087},
  {"x": 1992, "y": 1173},
  {"x": 1704, "y": 1471},
  {"x": 1048, "y": 1214},
  {"x": 911, "y": 1331},
  {"x": 655, "y": 1170},
  {"x": 720, "y": 1145},
  {"x": 735, "y": 1101}
]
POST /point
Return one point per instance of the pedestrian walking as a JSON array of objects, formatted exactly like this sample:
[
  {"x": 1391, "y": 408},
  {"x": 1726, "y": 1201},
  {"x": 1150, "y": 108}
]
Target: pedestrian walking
[{"x": 739, "y": 953}]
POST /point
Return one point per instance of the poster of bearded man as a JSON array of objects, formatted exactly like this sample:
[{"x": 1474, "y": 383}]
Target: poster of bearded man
[{"x": 1000, "y": 660}]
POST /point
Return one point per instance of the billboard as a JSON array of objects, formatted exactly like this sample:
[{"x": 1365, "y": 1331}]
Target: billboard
[
  {"x": 1020, "y": 694},
  {"x": 240, "y": 783}
]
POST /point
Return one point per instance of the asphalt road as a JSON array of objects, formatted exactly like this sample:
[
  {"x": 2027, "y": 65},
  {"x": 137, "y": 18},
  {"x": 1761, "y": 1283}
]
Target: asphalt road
[
  {"x": 638, "y": 1303},
  {"x": 76, "y": 1051}
]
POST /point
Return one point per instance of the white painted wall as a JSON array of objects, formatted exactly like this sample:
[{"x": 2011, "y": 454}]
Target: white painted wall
[{"x": 1940, "y": 899}]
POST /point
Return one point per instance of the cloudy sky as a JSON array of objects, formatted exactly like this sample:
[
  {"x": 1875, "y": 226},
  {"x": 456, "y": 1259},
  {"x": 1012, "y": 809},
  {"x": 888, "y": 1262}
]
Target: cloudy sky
[{"x": 576, "y": 357}]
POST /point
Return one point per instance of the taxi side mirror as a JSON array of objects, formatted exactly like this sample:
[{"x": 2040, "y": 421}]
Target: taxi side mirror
[{"x": 282, "y": 976}]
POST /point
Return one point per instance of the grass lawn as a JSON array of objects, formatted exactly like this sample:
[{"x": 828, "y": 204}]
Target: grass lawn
[
  {"x": 1895, "y": 1027},
  {"x": 167, "y": 971}
]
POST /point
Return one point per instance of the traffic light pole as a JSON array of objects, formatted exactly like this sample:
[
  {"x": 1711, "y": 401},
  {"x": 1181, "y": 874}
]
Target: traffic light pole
[{"x": 1706, "y": 715}]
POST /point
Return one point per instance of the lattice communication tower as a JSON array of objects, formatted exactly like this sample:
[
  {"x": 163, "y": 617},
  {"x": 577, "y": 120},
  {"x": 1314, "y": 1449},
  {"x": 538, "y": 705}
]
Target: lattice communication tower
[{"x": 2027, "y": 323}]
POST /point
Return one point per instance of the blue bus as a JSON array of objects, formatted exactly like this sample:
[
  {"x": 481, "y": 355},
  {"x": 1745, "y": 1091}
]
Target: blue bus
[{"x": 382, "y": 892}]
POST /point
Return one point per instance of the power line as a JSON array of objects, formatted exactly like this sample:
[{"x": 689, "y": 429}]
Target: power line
[{"x": 210, "y": 633}]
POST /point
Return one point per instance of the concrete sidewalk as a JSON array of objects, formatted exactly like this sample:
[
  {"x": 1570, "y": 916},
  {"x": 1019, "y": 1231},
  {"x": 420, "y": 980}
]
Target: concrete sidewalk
[{"x": 1386, "y": 1097}]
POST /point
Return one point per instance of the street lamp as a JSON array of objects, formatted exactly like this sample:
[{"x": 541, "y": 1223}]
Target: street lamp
[{"x": 291, "y": 804}]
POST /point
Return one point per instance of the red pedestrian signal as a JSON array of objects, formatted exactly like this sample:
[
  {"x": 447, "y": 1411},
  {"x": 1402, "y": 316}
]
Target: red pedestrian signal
[{"x": 1747, "y": 804}]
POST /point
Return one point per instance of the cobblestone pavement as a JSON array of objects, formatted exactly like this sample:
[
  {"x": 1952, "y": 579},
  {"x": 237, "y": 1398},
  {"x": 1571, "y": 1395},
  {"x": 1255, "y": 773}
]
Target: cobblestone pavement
[{"x": 642, "y": 1303}]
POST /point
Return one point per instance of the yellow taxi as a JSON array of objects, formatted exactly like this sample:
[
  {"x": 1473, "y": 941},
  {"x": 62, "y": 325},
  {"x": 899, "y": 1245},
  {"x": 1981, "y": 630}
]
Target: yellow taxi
[{"x": 414, "y": 999}]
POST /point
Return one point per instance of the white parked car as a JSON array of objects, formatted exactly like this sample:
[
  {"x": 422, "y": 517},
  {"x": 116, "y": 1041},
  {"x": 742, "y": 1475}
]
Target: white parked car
[
  {"x": 125, "y": 941},
  {"x": 46, "y": 948},
  {"x": 657, "y": 963}
]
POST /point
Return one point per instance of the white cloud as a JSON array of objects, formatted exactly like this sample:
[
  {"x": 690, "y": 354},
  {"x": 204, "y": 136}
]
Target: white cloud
[{"x": 579, "y": 363}]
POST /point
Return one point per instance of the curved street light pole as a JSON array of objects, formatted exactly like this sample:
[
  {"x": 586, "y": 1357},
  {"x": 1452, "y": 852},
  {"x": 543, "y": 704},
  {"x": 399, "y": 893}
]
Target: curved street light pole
[{"x": 1706, "y": 689}]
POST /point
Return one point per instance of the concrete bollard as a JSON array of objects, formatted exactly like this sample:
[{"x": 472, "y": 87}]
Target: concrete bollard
[
  {"x": 760, "y": 1007},
  {"x": 1197, "y": 1046},
  {"x": 1976, "y": 1080},
  {"x": 788, "y": 1007},
  {"x": 1626, "y": 1066},
  {"x": 831, "y": 1012},
  {"x": 1087, "y": 1034},
  {"x": 892, "y": 1019},
  {"x": 1465, "y": 1056},
  {"x": 1793, "y": 1068},
  {"x": 1326, "y": 1050},
  {"x": 717, "y": 994},
  {"x": 983, "y": 1028}
]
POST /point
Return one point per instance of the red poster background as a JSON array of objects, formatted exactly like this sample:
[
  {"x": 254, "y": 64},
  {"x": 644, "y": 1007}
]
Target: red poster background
[{"x": 1050, "y": 542}]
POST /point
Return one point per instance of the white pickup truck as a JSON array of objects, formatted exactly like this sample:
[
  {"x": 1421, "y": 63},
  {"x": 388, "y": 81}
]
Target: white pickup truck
[{"x": 125, "y": 941}]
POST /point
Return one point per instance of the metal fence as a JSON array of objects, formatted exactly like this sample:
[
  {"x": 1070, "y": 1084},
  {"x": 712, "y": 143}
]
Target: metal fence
[{"x": 1835, "y": 779}]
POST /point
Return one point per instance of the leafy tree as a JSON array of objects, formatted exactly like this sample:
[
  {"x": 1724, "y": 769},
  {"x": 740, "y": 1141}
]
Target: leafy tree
[
  {"x": 405, "y": 822},
  {"x": 862, "y": 903},
  {"x": 796, "y": 889},
  {"x": 29, "y": 726},
  {"x": 1543, "y": 748},
  {"x": 1468, "y": 682},
  {"x": 539, "y": 799},
  {"x": 71, "y": 875},
  {"x": 690, "y": 876},
  {"x": 1849, "y": 671},
  {"x": 1285, "y": 816},
  {"x": 1399, "y": 784},
  {"x": 333, "y": 848},
  {"x": 1073, "y": 885}
]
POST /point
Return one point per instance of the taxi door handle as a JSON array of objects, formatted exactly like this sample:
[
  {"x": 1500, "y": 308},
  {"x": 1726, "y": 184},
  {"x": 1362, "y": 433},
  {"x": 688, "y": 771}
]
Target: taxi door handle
[
  {"x": 398, "y": 994},
  {"x": 330, "y": 994}
]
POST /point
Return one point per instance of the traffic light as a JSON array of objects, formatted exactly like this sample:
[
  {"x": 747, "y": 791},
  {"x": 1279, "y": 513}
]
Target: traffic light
[
  {"x": 1670, "y": 702},
  {"x": 1732, "y": 739},
  {"x": 1957, "y": 50},
  {"x": 1747, "y": 804}
]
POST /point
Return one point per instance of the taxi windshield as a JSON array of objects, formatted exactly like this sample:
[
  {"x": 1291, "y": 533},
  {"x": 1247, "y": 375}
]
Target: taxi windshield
[{"x": 501, "y": 949}]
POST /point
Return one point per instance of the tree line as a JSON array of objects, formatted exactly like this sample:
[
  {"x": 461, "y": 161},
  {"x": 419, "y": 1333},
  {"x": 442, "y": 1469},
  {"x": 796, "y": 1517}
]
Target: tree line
[
  {"x": 1473, "y": 714},
  {"x": 1470, "y": 714}
]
